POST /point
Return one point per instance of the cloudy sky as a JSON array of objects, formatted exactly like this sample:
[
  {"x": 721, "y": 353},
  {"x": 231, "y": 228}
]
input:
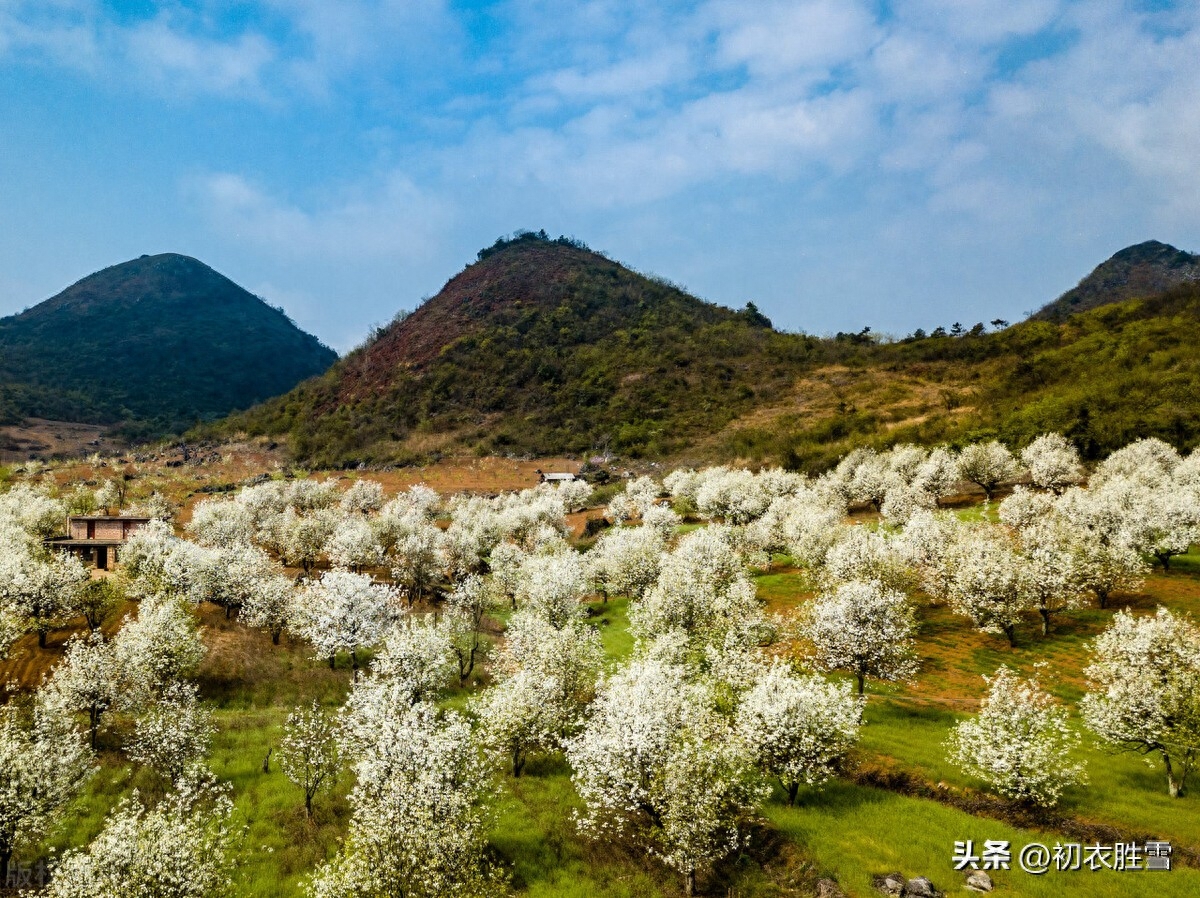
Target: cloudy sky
[{"x": 840, "y": 163}]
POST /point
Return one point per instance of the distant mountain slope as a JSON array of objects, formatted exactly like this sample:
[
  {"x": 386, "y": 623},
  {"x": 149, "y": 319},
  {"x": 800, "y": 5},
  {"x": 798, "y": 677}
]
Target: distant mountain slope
[
  {"x": 153, "y": 344},
  {"x": 541, "y": 345},
  {"x": 544, "y": 347},
  {"x": 1136, "y": 271}
]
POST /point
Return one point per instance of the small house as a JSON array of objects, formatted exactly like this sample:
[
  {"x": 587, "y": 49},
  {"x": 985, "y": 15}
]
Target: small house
[
  {"x": 95, "y": 537},
  {"x": 561, "y": 477}
]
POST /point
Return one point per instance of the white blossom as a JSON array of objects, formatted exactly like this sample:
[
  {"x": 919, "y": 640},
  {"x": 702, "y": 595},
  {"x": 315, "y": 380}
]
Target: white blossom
[
  {"x": 987, "y": 465},
  {"x": 798, "y": 727},
  {"x": 1053, "y": 462},
  {"x": 1020, "y": 743},
  {"x": 343, "y": 612},
  {"x": 1144, "y": 693},
  {"x": 308, "y": 751},
  {"x": 864, "y": 628}
]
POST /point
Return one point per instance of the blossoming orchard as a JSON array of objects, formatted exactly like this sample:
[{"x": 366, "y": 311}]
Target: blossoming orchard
[{"x": 698, "y": 681}]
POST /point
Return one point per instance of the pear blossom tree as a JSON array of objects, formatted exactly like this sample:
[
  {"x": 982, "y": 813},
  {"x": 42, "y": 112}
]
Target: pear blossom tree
[
  {"x": 44, "y": 762},
  {"x": 1020, "y": 743},
  {"x": 657, "y": 766},
  {"x": 87, "y": 680},
  {"x": 1144, "y": 690},
  {"x": 1052, "y": 579},
  {"x": 625, "y": 561},
  {"x": 41, "y": 589},
  {"x": 987, "y": 582},
  {"x": 864, "y": 628},
  {"x": 987, "y": 465},
  {"x": 268, "y": 605},
  {"x": 173, "y": 734},
  {"x": 937, "y": 475},
  {"x": 180, "y": 847},
  {"x": 160, "y": 645},
  {"x": 1053, "y": 462},
  {"x": 308, "y": 751},
  {"x": 363, "y": 497},
  {"x": 463, "y": 619},
  {"x": 353, "y": 545},
  {"x": 343, "y": 612},
  {"x": 798, "y": 727},
  {"x": 421, "y": 810},
  {"x": 552, "y": 585}
]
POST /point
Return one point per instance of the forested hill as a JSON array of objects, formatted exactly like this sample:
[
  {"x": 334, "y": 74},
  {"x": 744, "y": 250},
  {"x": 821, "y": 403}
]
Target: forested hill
[
  {"x": 153, "y": 345},
  {"x": 1136, "y": 271},
  {"x": 543, "y": 346}
]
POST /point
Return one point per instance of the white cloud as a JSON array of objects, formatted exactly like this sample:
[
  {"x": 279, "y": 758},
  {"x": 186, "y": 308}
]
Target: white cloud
[
  {"x": 172, "y": 58},
  {"x": 389, "y": 219}
]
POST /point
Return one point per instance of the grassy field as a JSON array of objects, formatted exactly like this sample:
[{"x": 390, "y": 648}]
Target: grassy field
[{"x": 847, "y": 830}]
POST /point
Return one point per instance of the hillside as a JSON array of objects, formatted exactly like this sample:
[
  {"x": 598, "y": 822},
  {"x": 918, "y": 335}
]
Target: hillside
[
  {"x": 540, "y": 343},
  {"x": 544, "y": 347},
  {"x": 151, "y": 345},
  {"x": 1136, "y": 271}
]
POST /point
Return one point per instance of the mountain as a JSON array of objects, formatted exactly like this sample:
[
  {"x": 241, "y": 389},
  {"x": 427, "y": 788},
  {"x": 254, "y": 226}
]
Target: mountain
[
  {"x": 544, "y": 347},
  {"x": 541, "y": 344},
  {"x": 151, "y": 345},
  {"x": 1141, "y": 270}
]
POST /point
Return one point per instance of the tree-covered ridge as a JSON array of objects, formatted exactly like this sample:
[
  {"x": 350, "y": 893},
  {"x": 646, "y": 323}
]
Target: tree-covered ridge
[
  {"x": 154, "y": 344},
  {"x": 1134, "y": 272},
  {"x": 545, "y": 347},
  {"x": 541, "y": 343}
]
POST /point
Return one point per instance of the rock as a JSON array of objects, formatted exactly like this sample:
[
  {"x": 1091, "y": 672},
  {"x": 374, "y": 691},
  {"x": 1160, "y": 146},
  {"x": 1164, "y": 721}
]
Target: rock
[
  {"x": 979, "y": 881},
  {"x": 921, "y": 887},
  {"x": 828, "y": 888},
  {"x": 889, "y": 884}
]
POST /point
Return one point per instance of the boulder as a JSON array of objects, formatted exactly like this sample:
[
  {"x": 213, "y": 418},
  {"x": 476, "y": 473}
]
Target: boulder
[
  {"x": 889, "y": 884},
  {"x": 979, "y": 881},
  {"x": 921, "y": 887}
]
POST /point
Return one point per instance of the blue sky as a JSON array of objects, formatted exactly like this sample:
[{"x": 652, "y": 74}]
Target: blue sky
[{"x": 840, "y": 163}]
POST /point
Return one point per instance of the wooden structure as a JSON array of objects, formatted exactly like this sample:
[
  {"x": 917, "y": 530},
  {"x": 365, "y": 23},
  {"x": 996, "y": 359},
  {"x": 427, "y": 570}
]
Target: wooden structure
[{"x": 96, "y": 537}]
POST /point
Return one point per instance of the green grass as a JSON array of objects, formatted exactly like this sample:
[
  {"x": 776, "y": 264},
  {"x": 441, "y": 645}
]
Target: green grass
[{"x": 853, "y": 832}]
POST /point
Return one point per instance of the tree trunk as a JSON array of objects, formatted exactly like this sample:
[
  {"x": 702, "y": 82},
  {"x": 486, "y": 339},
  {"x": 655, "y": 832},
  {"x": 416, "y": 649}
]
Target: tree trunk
[
  {"x": 861, "y": 683},
  {"x": 518, "y": 760},
  {"x": 1102, "y": 594},
  {"x": 1174, "y": 788},
  {"x": 793, "y": 789},
  {"x": 308, "y": 804},
  {"x": 275, "y": 636},
  {"x": 5, "y": 857},
  {"x": 1165, "y": 559},
  {"x": 1010, "y": 630},
  {"x": 689, "y": 884},
  {"x": 41, "y": 638},
  {"x": 332, "y": 661},
  {"x": 1045, "y": 613}
]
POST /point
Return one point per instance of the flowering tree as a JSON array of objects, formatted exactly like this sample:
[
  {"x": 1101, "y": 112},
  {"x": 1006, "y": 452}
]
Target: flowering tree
[
  {"x": 343, "y": 612},
  {"x": 702, "y": 591},
  {"x": 268, "y": 605},
  {"x": 656, "y": 764},
  {"x": 353, "y": 545},
  {"x": 521, "y": 715},
  {"x": 221, "y": 523},
  {"x": 1149, "y": 461},
  {"x": 416, "y": 656},
  {"x": 1145, "y": 690},
  {"x": 179, "y": 848},
  {"x": 1053, "y": 462},
  {"x": 420, "y": 815},
  {"x": 1051, "y": 577},
  {"x": 158, "y": 646},
  {"x": 938, "y": 474},
  {"x": 987, "y": 465},
  {"x": 43, "y": 764},
  {"x": 173, "y": 734},
  {"x": 417, "y": 558},
  {"x": 462, "y": 620},
  {"x": 308, "y": 751},
  {"x": 1020, "y": 742},
  {"x": 552, "y": 586},
  {"x": 87, "y": 680},
  {"x": 798, "y": 728},
  {"x": 363, "y": 497},
  {"x": 41, "y": 590},
  {"x": 864, "y": 628},
  {"x": 625, "y": 560},
  {"x": 987, "y": 582}
]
